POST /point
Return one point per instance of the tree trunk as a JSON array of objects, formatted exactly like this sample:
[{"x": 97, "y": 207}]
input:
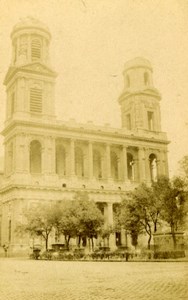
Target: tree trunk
[
  {"x": 46, "y": 242},
  {"x": 92, "y": 243},
  {"x": 173, "y": 236},
  {"x": 149, "y": 241},
  {"x": 155, "y": 226},
  {"x": 68, "y": 241},
  {"x": 79, "y": 240}
]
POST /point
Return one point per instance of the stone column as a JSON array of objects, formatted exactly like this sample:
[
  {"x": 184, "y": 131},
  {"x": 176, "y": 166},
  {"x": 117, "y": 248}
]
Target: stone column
[
  {"x": 112, "y": 242},
  {"x": 108, "y": 161},
  {"x": 110, "y": 213},
  {"x": 142, "y": 164},
  {"x": 90, "y": 161},
  {"x": 72, "y": 157},
  {"x": 125, "y": 177}
]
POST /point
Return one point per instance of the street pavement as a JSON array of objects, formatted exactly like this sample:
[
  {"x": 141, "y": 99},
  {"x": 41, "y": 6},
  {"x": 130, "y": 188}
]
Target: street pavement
[{"x": 57, "y": 280}]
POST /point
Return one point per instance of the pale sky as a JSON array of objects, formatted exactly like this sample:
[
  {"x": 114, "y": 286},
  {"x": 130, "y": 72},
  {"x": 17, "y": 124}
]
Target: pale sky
[{"x": 92, "y": 40}]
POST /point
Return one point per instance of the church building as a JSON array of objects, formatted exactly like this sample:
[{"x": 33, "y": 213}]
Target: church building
[{"x": 48, "y": 160}]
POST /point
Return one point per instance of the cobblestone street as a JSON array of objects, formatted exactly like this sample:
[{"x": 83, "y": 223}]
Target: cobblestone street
[{"x": 48, "y": 280}]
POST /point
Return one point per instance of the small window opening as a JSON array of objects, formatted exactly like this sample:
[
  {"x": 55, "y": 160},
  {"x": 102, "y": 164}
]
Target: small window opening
[
  {"x": 64, "y": 185},
  {"x": 35, "y": 100},
  {"x": 35, "y": 50}
]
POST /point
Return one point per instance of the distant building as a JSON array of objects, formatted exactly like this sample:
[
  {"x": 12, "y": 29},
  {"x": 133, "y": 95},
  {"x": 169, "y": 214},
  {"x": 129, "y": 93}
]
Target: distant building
[{"x": 46, "y": 159}]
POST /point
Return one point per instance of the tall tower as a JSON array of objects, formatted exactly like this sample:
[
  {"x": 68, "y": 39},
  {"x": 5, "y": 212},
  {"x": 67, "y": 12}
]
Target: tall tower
[
  {"x": 30, "y": 85},
  {"x": 30, "y": 80},
  {"x": 139, "y": 101}
]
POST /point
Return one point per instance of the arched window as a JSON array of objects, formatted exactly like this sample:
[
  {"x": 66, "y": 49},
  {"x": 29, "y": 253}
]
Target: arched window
[
  {"x": 79, "y": 162},
  {"x": 35, "y": 49},
  {"x": 130, "y": 166},
  {"x": 35, "y": 157},
  {"x": 114, "y": 166},
  {"x": 153, "y": 167},
  {"x": 60, "y": 160},
  {"x": 146, "y": 78},
  {"x": 128, "y": 81},
  {"x": 97, "y": 167}
]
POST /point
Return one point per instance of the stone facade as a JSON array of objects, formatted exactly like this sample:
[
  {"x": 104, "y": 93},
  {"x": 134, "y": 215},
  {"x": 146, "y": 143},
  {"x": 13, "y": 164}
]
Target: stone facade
[{"x": 47, "y": 159}]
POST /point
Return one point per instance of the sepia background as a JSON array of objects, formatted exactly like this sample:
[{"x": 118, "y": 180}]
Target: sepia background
[{"x": 91, "y": 41}]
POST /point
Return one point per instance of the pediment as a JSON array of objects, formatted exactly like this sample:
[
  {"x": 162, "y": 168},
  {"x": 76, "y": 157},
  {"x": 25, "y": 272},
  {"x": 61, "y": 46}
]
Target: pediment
[
  {"x": 39, "y": 68},
  {"x": 36, "y": 68}
]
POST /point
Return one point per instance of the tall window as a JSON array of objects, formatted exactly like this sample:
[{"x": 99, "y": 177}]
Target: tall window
[
  {"x": 35, "y": 157},
  {"x": 35, "y": 100},
  {"x": 150, "y": 120},
  {"x": 128, "y": 121},
  {"x": 35, "y": 50}
]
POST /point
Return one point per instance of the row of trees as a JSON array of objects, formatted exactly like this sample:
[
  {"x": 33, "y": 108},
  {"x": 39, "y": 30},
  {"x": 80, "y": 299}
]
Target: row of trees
[
  {"x": 147, "y": 208},
  {"x": 79, "y": 218},
  {"x": 140, "y": 211}
]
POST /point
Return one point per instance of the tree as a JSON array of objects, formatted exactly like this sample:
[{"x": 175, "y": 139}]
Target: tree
[
  {"x": 174, "y": 208},
  {"x": 184, "y": 167},
  {"x": 38, "y": 221},
  {"x": 90, "y": 217},
  {"x": 129, "y": 219},
  {"x": 80, "y": 218},
  {"x": 68, "y": 223},
  {"x": 141, "y": 212}
]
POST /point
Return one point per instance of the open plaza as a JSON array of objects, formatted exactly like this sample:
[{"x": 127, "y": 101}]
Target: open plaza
[{"x": 48, "y": 280}]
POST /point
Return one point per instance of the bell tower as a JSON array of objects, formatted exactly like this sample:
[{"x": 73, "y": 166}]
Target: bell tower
[
  {"x": 139, "y": 101},
  {"x": 30, "y": 80}
]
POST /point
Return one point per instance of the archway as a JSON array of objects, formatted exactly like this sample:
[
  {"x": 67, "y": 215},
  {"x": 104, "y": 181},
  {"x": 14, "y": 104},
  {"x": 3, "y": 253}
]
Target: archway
[
  {"x": 60, "y": 160},
  {"x": 153, "y": 167},
  {"x": 79, "y": 162},
  {"x": 97, "y": 164},
  {"x": 130, "y": 166}
]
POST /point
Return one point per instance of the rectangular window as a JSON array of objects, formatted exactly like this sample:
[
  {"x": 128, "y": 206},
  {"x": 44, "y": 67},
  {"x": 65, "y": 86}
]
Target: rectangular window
[
  {"x": 36, "y": 100},
  {"x": 128, "y": 121},
  {"x": 150, "y": 120}
]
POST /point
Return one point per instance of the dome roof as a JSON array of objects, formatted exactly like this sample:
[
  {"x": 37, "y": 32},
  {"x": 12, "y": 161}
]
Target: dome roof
[
  {"x": 30, "y": 22},
  {"x": 138, "y": 62}
]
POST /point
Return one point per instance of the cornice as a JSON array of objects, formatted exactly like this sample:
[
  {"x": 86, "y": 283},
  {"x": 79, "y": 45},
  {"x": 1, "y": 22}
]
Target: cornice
[{"x": 81, "y": 132}]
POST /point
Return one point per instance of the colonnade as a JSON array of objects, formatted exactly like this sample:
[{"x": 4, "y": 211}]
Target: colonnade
[{"x": 102, "y": 161}]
